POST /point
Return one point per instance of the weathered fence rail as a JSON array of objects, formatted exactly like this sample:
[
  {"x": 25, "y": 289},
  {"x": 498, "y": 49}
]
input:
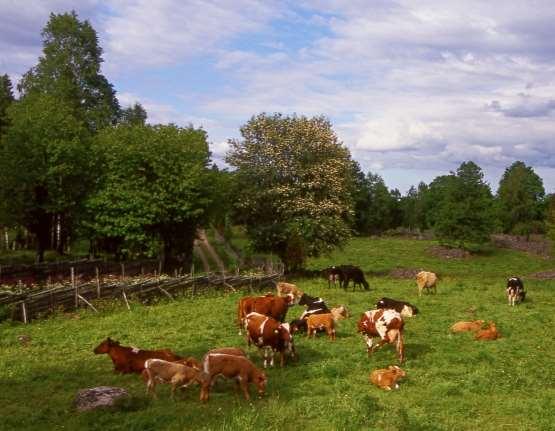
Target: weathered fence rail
[{"x": 30, "y": 305}]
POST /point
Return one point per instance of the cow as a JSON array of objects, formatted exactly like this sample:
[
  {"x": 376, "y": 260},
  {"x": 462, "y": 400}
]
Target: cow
[
  {"x": 515, "y": 291},
  {"x": 489, "y": 333},
  {"x": 386, "y": 378},
  {"x": 385, "y": 324},
  {"x": 232, "y": 367},
  {"x": 320, "y": 322},
  {"x": 404, "y": 308},
  {"x": 269, "y": 334},
  {"x": 333, "y": 275},
  {"x": 130, "y": 359},
  {"x": 346, "y": 273},
  {"x": 426, "y": 280},
  {"x": 467, "y": 326},
  {"x": 176, "y": 374},
  {"x": 289, "y": 289},
  {"x": 314, "y": 305},
  {"x": 269, "y": 305},
  {"x": 338, "y": 313}
]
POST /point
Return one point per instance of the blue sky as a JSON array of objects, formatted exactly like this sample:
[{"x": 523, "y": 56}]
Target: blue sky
[{"x": 413, "y": 88}]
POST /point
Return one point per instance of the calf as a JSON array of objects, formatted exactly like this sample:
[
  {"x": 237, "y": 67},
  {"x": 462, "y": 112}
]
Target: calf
[
  {"x": 402, "y": 307},
  {"x": 178, "y": 375},
  {"x": 269, "y": 305},
  {"x": 232, "y": 367},
  {"x": 426, "y": 280},
  {"x": 319, "y": 322},
  {"x": 272, "y": 336},
  {"x": 385, "y": 324},
  {"x": 288, "y": 289},
  {"x": 467, "y": 326},
  {"x": 299, "y": 325},
  {"x": 490, "y": 333},
  {"x": 334, "y": 275},
  {"x": 515, "y": 291},
  {"x": 386, "y": 378}
]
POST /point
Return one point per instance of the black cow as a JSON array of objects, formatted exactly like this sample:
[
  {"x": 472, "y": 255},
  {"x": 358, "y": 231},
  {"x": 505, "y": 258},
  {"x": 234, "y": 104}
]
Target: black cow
[
  {"x": 314, "y": 305},
  {"x": 515, "y": 290},
  {"x": 402, "y": 307},
  {"x": 351, "y": 272}
]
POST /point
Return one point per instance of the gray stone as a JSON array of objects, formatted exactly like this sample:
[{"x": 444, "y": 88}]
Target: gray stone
[{"x": 102, "y": 396}]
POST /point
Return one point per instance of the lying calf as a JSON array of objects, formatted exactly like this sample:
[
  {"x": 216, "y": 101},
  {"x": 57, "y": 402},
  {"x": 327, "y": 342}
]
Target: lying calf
[
  {"x": 386, "y": 378},
  {"x": 490, "y": 333},
  {"x": 467, "y": 326},
  {"x": 232, "y": 367},
  {"x": 178, "y": 375}
]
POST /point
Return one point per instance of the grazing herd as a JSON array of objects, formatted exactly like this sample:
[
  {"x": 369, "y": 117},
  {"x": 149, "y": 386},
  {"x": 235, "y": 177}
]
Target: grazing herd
[{"x": 263, "y": 319}]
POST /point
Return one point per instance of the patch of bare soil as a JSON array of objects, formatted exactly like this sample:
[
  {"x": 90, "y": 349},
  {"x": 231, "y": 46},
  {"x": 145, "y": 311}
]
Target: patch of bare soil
[
  {"x": 404, "y": 272},
  {"x": 543, "y": 275},
  {"x": 447, "y": 253},
  {"x": 535, "y": 244}
]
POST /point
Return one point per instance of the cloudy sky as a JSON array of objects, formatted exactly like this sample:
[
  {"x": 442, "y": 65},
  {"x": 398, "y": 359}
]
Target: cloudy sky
[{"x": 413, "y": 88}]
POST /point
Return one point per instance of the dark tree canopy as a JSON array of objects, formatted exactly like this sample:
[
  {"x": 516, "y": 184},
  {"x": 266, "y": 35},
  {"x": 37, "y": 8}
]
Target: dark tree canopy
[
  {"x": 134, "y": 115},
  {"x": 521, "y": 199},
  {"x": 69, "y": 70},
  {"x": 6, "y": 99}
]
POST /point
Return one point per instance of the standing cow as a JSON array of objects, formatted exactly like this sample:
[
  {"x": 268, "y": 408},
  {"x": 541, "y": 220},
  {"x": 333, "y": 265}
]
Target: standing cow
[
  {"x": 385, "y": 324},
  {"x": 515, "y": 290},
  {"x": 426, "y": 280},
  {"x": 269, "y": 305}
]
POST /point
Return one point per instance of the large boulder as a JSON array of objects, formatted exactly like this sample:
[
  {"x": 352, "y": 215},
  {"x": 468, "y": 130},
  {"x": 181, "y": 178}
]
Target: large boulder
[{"x": 102, "y": 396}]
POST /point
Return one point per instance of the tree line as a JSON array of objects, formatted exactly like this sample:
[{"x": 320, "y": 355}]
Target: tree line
[{"x": 75, "y": 164}]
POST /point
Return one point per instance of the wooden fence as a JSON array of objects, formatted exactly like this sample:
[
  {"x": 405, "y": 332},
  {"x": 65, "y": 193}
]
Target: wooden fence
[{"x": 32, "y": 305}]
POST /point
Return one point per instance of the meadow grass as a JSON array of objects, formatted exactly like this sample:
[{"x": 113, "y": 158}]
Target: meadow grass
[{"x": 452, "y": 383}]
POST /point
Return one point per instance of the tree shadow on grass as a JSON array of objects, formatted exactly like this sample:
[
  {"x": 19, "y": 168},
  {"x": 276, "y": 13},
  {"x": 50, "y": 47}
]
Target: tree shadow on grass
[{"x": 415, "y": 350}]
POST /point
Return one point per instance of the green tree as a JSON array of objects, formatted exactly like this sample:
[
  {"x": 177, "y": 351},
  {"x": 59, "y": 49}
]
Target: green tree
[
  {"x": 521, "y": 199},
  {"x": 153, "y": 190},
  {"x": 464, "y": 208},
  {"x": 6, "y": 99},
  {"x": 69, "y": 70},
  {"x": 294, "y": 181},
  {"x": 44, "y": 166},
  {"x": 134, "y": 115}
]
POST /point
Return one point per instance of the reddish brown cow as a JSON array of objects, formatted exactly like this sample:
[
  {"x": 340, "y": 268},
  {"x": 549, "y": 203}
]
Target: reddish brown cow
[
  {"x": 386, "y": 324},
  {"x": 232, "y": 367},
  {"x": 272, "y": 336},
  {"x": 130, "y": 359},
  {"x": 268, "y": 305}
]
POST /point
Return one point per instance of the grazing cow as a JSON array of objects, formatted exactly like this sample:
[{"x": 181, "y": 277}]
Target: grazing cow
[
  {"x": 351, "y": 272},
  {"x": 386, "y": 378},
  {"x": 176, "y": 374},
  {"x": 288, "y": 289},
  {"x": 515, "y": 290},
  {"x": 386, "y": 324},
  {"x": 406, "y": 309},
  {"x": 320, "y": 322},
  {"x": 334, "y": 275},
  {"x": 269, "y": 305},
  {"x": 467, "y": 326},
  {"x": 231, "y": 367},
  {"x": 314, "y": 305},
  {"x": 272, "y": 336},
  {"x": 490, "y": 333},
  {"x": 190, "y": 362},
  {"x": 131, "y": 359},
  {"x": 426, "y": 280}
]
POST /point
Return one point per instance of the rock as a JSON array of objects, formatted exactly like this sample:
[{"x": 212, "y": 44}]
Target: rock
[
  {"x": 24, "y": 340},
  {"x": 102, "y": 396}
]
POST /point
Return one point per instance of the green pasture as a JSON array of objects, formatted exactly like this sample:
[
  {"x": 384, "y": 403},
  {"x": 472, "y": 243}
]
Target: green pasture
[{"x": 452, "y": 383}]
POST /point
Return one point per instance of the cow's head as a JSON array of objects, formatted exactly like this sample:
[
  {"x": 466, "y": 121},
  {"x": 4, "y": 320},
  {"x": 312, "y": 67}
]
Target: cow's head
[
  {"x": 286, "y": 338},
  {"x": 409, "y": 310},
  {"x": 261, "y": 381},
  {"x": 396, "y": 371},
  {"x": 297, "y": 325}
]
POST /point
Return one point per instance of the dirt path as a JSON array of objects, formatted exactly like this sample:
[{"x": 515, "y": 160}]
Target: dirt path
[
  {"x": 228, "y": 248},
  {"x": 207, "y": 248},
  {"x": 200, "y": 253}
]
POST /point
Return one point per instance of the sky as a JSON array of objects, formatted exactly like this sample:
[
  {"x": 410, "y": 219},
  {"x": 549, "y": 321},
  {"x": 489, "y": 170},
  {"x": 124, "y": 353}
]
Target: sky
[{"x": 412, "y": 88}]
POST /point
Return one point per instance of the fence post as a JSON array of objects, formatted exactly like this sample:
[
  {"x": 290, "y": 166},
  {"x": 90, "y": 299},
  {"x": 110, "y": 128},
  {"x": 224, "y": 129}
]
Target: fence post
[
  {"x": 97, "y": 282},
  {"x": 74, "y": 285},
  {"x": 123, "y": 271},
  {"x": 24, "y": 312},
  {"x": 193, "y": 278}
]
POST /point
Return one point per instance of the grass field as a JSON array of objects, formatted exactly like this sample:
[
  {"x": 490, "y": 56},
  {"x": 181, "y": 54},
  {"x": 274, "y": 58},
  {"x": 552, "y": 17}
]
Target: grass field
[{"x": 452, "y": 383}]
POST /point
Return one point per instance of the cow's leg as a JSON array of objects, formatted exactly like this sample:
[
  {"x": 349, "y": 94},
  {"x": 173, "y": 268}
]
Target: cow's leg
[
  {"x": 369, "y": 344},
  {"x": 244, "y": 383},
  {"x": 282, "y": 358},
  {"x": 400, "y": 347}
]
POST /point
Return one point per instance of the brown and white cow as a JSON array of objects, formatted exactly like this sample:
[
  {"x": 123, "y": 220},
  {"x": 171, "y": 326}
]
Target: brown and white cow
[
  {"x": 270, "y": 335},
  {"x": 383, "y": 323},
  {"x": 269, "y": 305}
]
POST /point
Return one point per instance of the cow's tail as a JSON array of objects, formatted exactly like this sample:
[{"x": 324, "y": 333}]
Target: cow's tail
[{"x": 240, "y": 316}]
